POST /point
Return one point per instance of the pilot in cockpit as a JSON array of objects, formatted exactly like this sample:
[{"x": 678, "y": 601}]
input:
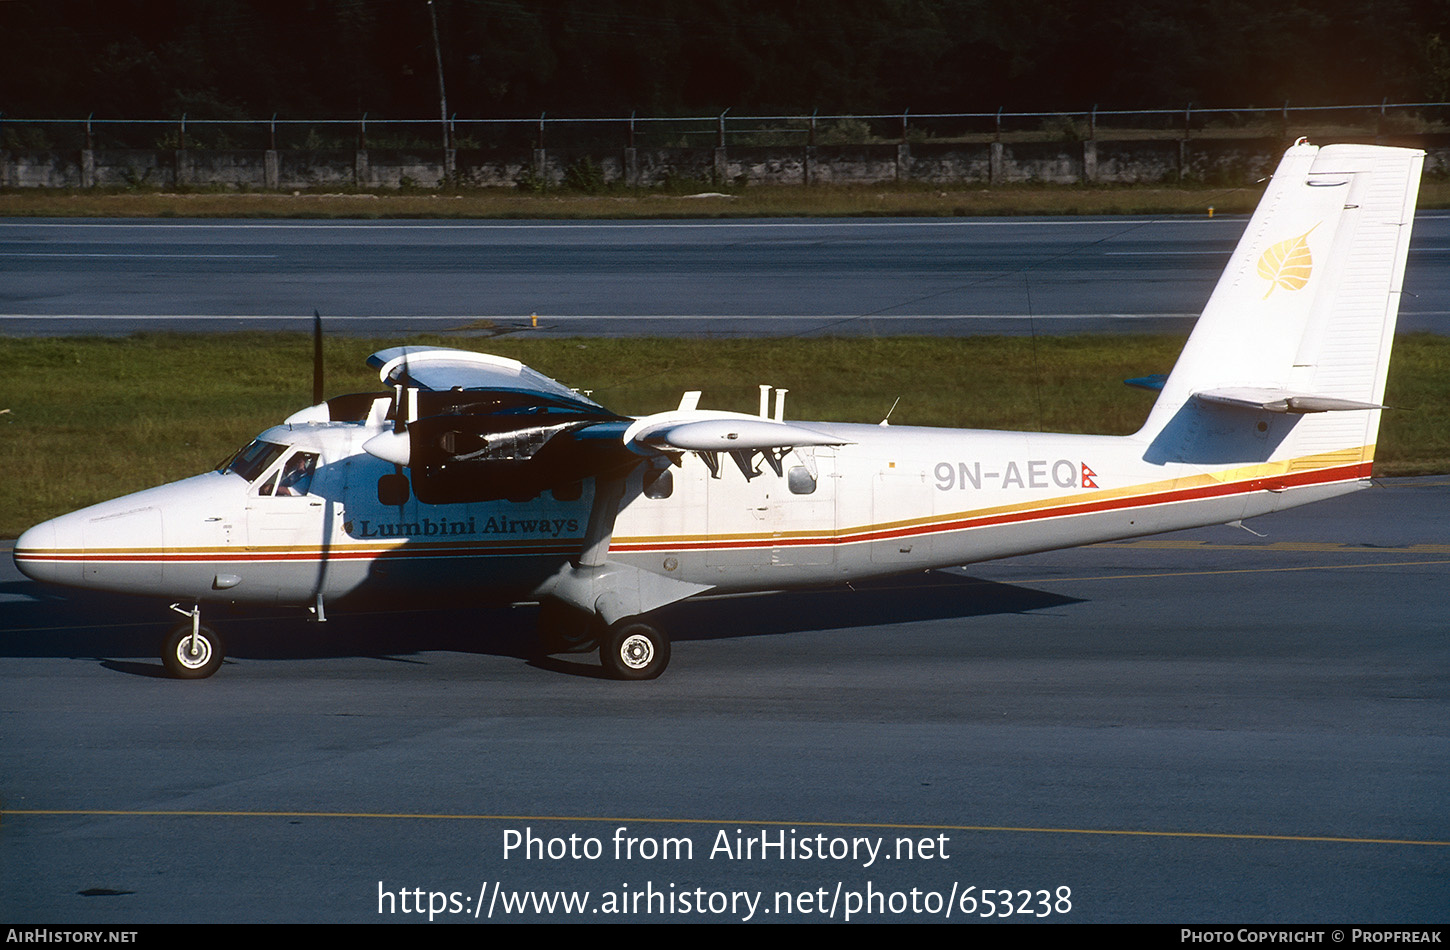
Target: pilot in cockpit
[{"x": 297, "y": 474}]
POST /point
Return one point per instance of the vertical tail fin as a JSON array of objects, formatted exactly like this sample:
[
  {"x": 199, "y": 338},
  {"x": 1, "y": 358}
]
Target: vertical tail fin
[{"x": 1294, "y": 343}]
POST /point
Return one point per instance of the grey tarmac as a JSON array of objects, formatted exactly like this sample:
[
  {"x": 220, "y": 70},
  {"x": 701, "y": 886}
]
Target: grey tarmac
[
  {"x": 1209, "y": 726},
  {"x": 935, "y": 276}
]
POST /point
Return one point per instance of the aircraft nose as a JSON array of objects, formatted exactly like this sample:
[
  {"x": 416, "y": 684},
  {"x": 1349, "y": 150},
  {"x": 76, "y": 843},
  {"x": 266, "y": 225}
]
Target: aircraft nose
[{"x": 44, "y": 554}]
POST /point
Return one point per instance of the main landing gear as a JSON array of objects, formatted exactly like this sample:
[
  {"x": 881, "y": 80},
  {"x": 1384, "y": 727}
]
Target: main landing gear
[
  {"x": 192, "y": 650},
  {"x": 632, "y": 649}
]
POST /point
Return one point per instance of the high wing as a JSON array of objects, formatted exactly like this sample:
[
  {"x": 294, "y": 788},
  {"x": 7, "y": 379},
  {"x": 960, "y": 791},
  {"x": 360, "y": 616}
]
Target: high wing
[
  {"x": 477, "y": 427},
  {"x": 438, "y": 369}
]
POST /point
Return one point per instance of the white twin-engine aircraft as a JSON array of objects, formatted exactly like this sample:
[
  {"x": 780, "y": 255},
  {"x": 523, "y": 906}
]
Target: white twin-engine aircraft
[{"x": 478, "y": 476}]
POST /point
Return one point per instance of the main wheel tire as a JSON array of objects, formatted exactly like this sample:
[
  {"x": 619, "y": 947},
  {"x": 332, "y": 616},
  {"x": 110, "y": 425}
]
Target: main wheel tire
[
  {"x": 192, "y": 660},
  {"x": 634, "y": 650}
]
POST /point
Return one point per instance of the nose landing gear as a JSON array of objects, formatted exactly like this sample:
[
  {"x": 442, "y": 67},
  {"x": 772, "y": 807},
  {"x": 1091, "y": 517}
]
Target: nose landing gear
[{"x": 192, "y": 650}]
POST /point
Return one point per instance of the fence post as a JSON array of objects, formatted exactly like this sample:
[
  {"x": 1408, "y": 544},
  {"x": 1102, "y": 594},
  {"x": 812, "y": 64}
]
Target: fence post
[
  {"x": 88, "y": 158},
  {"x": 540, "y": 159},
  {"x": 180, "y": 175},
  {"x": 995, "y": 156},
  {"x": 361, "y": 169},
  {"x": 721, "y": 168},
  {"x": 450, "y": 154},
  {"x": 631, "y": 158},
  {"x": 808, "y": 170},
  {"x": 903, "y": 151},
  {"x": 270, "y": 172}
]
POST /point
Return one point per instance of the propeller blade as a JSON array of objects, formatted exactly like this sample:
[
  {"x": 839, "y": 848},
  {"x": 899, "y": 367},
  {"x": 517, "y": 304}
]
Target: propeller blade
[
  {"x": 400, "y": 412},
  {"x": 316, "y": 357}
]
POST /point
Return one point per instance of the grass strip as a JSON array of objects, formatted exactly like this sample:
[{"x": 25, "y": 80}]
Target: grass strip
[
  {"x": 84, "y": 419},
  {"x": 884, "y": 200}
]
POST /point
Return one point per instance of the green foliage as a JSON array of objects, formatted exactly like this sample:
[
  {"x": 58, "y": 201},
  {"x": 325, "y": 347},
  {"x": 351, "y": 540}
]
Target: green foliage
[
  {"x": 25, "y": 138},
  {"x": 229, "y": 58},
  {"x": 1065, "y": 128},
  {"x": 531, "y": 182},
  {"x": 844, "y": 132},
  {"x": 585, "y": 177},
  {"x": 315, "y": 142}
]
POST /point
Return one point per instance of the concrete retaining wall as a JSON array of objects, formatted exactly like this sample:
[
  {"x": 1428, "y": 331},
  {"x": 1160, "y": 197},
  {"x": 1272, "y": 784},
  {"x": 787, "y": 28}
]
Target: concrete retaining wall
[{"x": 1215, "y": 161}]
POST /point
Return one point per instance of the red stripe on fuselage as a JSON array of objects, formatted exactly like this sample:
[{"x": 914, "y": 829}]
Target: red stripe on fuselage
[{"x": 1324, "y": 476}]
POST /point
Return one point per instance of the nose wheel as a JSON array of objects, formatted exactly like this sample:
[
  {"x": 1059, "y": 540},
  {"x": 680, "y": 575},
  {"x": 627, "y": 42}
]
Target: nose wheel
[{"x": 192, "y": 651}]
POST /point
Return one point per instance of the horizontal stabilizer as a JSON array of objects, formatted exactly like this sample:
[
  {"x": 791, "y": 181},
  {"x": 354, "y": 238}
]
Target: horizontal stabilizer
[{"x": 1278, "y": 400}]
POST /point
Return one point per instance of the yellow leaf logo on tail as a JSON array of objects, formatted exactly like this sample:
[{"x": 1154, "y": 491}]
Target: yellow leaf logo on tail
[{"x": 1287, "y": 264}]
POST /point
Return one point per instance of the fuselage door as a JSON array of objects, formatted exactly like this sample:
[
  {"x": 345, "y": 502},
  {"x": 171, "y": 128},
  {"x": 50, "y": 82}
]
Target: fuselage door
[
  {"x": 901, "y": 500},
  {"x": 286, "y": 523}
]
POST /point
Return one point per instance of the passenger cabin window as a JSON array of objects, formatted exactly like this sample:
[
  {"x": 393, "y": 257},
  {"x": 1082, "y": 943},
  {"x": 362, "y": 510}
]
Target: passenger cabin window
[{"x": 800, "y": 480}]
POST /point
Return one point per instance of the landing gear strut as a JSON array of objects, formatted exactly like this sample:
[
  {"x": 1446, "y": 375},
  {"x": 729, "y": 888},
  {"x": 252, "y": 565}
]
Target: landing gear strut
[
  {"x": 192, "y": 651},
  {"x": 632, "y": 649}
]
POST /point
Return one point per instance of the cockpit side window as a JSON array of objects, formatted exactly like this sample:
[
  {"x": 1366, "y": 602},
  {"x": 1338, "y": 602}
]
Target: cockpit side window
[
  {"x": 293, "y": 478},
  {"x": 254, "y": 459},
  {"x": 297, "y": 474}
]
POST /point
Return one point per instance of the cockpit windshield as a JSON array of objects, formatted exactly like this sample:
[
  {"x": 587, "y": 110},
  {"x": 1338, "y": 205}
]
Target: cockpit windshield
[{"x": 253, "y": 460}]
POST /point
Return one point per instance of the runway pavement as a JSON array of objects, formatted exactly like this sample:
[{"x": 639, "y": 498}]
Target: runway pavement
[
  {"x": 1209, "y": 726},
  {"x": 948, "y": 276}
]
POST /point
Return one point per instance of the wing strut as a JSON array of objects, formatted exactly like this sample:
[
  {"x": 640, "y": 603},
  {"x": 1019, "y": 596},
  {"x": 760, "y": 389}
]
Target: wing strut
[
  {"x": 608, "y": 493},
  {"x": 592, "y": 593}
]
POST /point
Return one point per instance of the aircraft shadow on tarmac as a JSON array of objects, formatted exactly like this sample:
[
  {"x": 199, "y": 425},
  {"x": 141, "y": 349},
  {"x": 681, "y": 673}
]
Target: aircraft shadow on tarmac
[{"x": 112, "y": 629}]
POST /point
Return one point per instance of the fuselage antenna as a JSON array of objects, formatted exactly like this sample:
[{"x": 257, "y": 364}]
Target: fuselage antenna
[{"x": 887, "y": 420}]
